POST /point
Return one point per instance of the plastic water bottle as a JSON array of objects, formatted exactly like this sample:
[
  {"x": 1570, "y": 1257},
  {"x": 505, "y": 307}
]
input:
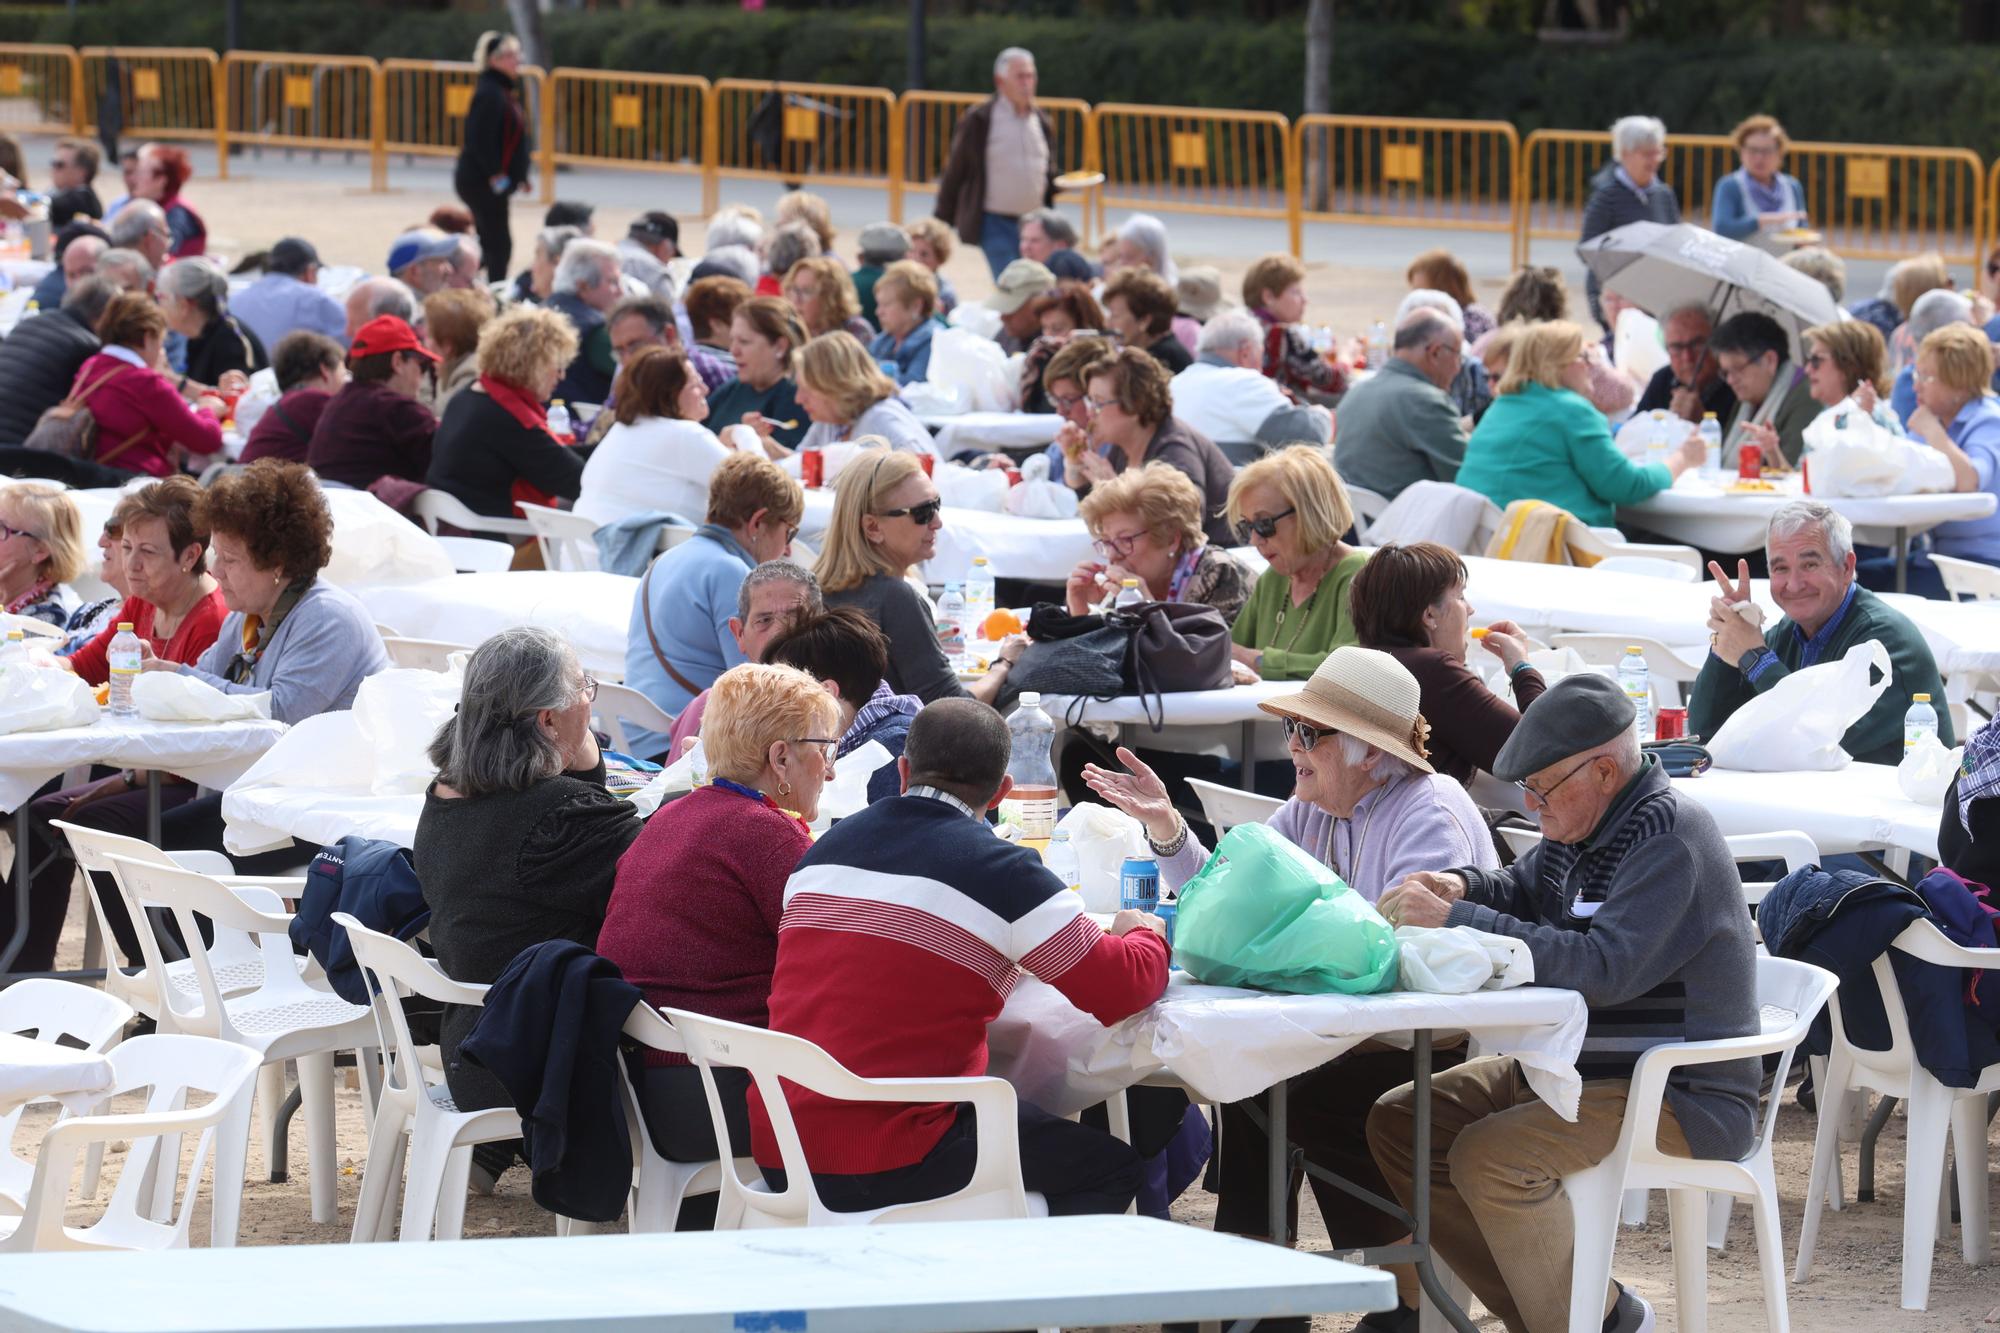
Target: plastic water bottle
[
  {"x": 1659, "y": 433},
  {"x": 1920, "y": 723},
  {"x": 1129, "y": 594},
  {"x": 1633, "y": 679},
  {"x": 14, "y": 653},
  {"x": 979, "y": 596},
  {"x": 1711, "y": 437},
  {"x": 124, "y": 659},
  {"x": 1032, "y": 803},
  {"x": 951, "y": 617},
  {"x": 1061, "y": 859},
  {"x": 559, "y": 423}
]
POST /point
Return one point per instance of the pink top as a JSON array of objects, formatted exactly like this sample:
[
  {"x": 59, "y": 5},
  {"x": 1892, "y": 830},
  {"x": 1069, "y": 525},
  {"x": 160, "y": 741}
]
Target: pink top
[{"x": 140, "y": 405}]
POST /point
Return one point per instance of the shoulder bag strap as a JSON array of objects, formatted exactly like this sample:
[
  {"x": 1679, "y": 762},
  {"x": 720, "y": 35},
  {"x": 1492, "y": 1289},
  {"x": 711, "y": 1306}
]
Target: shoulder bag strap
[
  {"x": 646, "y": 614},
  {"x": 104, "y": 459},
  {"x": 80, "y": 398}
]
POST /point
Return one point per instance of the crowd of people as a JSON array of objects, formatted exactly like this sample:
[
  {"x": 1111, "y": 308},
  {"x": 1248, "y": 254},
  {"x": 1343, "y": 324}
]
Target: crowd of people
[{"x": 648, "y": 386}]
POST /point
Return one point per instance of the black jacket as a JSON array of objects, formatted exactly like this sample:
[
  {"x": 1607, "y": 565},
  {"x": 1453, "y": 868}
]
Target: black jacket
[
  {"x": 481, "y": 450},
  {"x": 549, "y": 1031},
  {"x": 1612, "y": 204},
  {"x": 497, "y": 137},
  {"x": 38, "y": 363},
  {"x": 223, "y": 346},
  {"x": 373, "y": 881}
]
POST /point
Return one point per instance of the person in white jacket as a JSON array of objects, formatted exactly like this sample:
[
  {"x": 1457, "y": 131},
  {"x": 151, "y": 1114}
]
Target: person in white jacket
[
  {"x": 658, "y": 457},
  {"x": 1226, "y": 396}
]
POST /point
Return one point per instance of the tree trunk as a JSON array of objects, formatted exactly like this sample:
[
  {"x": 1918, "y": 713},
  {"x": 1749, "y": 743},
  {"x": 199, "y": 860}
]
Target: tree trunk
[
  {"x": 1319, "y": 100},
  {"x": 527, "y": 17}
]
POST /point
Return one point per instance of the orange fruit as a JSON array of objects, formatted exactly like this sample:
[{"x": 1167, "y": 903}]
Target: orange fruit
[{"x": 1000, "y": 624}]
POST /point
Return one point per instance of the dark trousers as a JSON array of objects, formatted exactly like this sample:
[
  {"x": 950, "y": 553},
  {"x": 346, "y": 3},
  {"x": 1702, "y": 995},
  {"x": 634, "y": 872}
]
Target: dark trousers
[
  {"x": 1076, "y": 1168},
  {"x": 675, "y": 1109},
  {"x": 489, "y": 221},
  {"x": 80, "y": 473}
]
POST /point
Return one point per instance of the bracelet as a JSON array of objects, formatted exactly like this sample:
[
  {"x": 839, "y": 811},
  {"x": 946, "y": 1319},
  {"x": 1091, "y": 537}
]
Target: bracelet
[
  {"x": 1523, "y": 665},
  {"x": 1171, "y": 845}
]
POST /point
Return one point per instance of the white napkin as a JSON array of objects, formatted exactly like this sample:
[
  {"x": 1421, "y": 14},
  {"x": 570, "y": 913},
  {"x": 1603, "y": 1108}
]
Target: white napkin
[{"x": 166, "y": 696}]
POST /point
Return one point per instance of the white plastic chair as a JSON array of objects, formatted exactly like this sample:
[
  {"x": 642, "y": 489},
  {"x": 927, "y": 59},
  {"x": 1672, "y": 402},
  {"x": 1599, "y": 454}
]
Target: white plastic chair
[
  {"x": 620, "y": 706},
  {"x": 434, "y": 506},
  {"x": 282, "y": 1019},
  {"x": 1931, "y": 1110},
  {"x": 660, "y": 1185},
  {"x": 568, "y": 541},
  {"x": 413, "y": 1110},
  {"x": 1796, "y": 849},
  {"x": 1968, "y": 580},
  {"x": 1663, "y": 664},
  {"x": 995, "y": 1190},
  {"x": 1796, "y": 991},
  {"x": 477, "y": 555},
  {"x": 44, "y": 1009},
  {"x": 422, "y": 654},
  {"x": 1368, "y": 506},
  {"x": 673, "y": 534},
  {"x": 1226, "y": 807},
  {"x": 171, "y": 1067}
]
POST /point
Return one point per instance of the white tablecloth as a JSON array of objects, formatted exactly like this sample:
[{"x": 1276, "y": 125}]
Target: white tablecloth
[
  {"x": 31, "y": 1070},
  {"x": 1042, "y": 549},
  {"x": 1228, "y": 1044},
  {"x": 1696, "y": 510},
  {"x": 280, "y": 798},
  {"x": 592, "y": 608},
  {"x": 989, "y": 432},
  {"x": 1189, "y": 708},
  {"x": 1854, "y": 809},
  {"x": 213, "y": 754}
]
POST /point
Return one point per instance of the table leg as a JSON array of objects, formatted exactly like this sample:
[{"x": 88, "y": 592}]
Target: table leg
[
  {"x": 1277, "y": 1133},
  {"x": 1420, "y": 1191},
  {"x": 1902, "y": 559},
  {"x": 21, "y": 887},
  {"x": 1248, "y": 780},
  {"x": 153, "y": 806}
]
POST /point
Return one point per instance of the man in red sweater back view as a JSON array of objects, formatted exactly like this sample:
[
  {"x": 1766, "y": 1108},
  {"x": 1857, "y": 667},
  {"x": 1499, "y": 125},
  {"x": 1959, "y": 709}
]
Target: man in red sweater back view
[{"x": 904, "y": 929}]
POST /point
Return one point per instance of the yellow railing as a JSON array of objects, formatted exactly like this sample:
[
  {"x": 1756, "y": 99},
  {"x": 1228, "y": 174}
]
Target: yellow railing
[
  {"x": 803, "y": 134},
  {"x": 317, "y": 102},
  {"x": 602, "y": 118},
  {"x": 1559, "y": 167},
  {"x": 163, "y": 92},
  {"x": 1383, "y": 170},
  {"x": 40, "y": 89},
  {"x": 424, "y": 104},
  {"x": 1188, "y": 160},
  {"x": 930, "y": 118}
]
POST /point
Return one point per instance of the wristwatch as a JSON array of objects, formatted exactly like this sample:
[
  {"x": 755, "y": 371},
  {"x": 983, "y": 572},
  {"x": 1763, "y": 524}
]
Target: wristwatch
[{"x": 1749, "y": 658}]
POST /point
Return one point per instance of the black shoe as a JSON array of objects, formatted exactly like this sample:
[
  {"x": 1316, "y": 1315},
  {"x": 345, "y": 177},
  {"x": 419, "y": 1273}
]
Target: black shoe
[
  {"x": 1807, "y": 1097},
  {"x": 1402, "y": 1319},
  {"x": 1630, "y": 1313}
]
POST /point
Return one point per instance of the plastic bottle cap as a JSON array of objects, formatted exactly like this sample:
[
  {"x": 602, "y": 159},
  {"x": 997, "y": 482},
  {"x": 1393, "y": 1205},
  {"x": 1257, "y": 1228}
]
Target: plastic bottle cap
[
  {"x": 1635, "y": 648},
  {"x": 1916, "y": 698},
  {"x": 1128, "y": 583},
  {"x": 1030, "y": 698},
  {"x": 124, "y": 627},
  {"x": 1708, "y": 416},
  {"x": 978, "y": 559}
]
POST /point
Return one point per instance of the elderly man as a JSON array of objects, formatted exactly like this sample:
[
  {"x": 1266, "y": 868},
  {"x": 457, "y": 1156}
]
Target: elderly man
[
  {"x": 141, "y": 226},
  {"x": 1932, "y": 311},
  {"x": 127, "y": 270},
  {"x": 40, "y": 358},
  {"x": 586, "y": 286},
  {"x": 422, "y": 259},
  {"x": 1401, "y": 426},
  {"x": 1691, "y": 382},
  {"x": 648, "y": 321},
  {"x": 1632, "y": 900},
  {"x": 1048, "y": 238},
  {"x": 287, "y": 297},
  {"x": 465, "y": 262},
  {"x": 76, "y": 259},
  {"x": 71, "y": 172},
  {"x": 652, "y": 242},
  {"x": 1002, "y": 163},
  {"x": 1226, "y": 396},
  {"x": 372, "y": 298},
  {"x": 1810, "y": 549},
  {"x": 1014, "y": 293},
  {"x": 1774, "y": 404}
]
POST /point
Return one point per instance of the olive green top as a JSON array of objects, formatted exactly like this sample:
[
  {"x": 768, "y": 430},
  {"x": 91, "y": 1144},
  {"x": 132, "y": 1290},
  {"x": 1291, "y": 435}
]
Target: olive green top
[{"x": 1294, "y": 650}]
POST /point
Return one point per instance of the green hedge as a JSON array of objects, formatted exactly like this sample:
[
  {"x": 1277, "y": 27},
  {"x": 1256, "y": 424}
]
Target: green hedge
[{"x": 1940, "y": 94}]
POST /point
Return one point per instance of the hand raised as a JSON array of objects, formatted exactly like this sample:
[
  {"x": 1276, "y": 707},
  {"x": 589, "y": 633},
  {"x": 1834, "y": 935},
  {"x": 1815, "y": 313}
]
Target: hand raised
[{"x": 1732, "y": 592}]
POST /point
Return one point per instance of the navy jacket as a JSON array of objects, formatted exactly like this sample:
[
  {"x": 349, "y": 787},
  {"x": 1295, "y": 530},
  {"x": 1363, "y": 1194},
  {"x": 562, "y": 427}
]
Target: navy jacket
[
  {"x": 549, "y": 1031},
  {"x": 374, "y": 882}
]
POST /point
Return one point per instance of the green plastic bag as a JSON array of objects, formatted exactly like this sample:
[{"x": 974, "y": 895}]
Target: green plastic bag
[{"x": 1264, "y": 914}]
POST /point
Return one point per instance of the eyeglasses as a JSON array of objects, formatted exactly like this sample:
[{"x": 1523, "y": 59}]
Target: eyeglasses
[
  {"x": 1688, "y": 348},
  {"x": 1542, "y": 797},
  {"x": 1304, "y": 733},
  {"x": 792, "y": 531},
  {"x": 919, "y": 514},
  {"x": 590, "y": 689},
  {"x": 1266, "y": 528},
  {"x": 1097, "y": 405},
  {"x": 1119, "y": 547},
  {"x": 1066, "y": 402},
  {"x": 1815, "y": 361},
  {"x": 826, "y": 753},
  {"x": 8, "y": 530}
]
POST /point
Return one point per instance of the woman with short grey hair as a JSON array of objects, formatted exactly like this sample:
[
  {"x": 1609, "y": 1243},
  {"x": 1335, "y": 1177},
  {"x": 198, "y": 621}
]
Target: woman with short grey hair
[
  {"x": 1142, "y": 243},
  {"x": 194, "y": 296},
  {"x": 1629, "y": 188},
  {"x": 788, "y": 245},
  {"x": 519, "y": 841}
]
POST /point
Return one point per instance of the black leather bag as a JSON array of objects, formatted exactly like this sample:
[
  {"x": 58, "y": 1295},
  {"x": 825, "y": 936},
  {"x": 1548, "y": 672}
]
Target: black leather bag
[
  {"x": 1179, "y": 646},
  {"x": 1149, "y": 650},
  {"x": 1084, "y": 656}
]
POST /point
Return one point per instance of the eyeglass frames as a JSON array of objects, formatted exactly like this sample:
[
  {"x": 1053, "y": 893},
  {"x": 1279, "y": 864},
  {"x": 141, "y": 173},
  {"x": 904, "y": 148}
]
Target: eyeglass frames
[
  {"x": 1304, "y": 733},
  {"x": 1542, "y": 797},
  {"x": 1266, "y": 528}
]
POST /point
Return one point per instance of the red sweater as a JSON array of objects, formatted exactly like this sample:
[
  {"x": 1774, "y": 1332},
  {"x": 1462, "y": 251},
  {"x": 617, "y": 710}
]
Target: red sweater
[
  {"x": 197, "y": 631},
  {"x": 141, "y": 402},
  {"x": 693, "y": 918}
]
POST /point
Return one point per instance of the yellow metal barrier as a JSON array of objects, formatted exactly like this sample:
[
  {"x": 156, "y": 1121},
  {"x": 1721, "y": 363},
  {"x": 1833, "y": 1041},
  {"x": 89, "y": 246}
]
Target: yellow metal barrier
[
  {"x": 424, "y": 104},
  {"x": 1989, "y": 235},
  {"x": 318, "y": 102},
  {"x": 613, "y": 119},
  {"x": 1389, "y": 171},
  {"x": 1189, "y": 160},
  {"x": 930, "y": 119},
  {"x": 40, "y": 89},
  {"x": 163, "y": 92},
  {"x": 802, "y": 134},
  {"x": 1557, "y": 168}
]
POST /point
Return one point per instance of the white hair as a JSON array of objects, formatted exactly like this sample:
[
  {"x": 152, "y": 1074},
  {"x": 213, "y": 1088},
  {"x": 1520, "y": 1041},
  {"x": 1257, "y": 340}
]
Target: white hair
[
  {"x": 1354, "y": 752},
  {"x": 741, "y": 261},
  {"x": 1429, "y": 298},
  {"x": 552, "y": 241},
  {"x": 1630, "y": 132},
  {"x": 1690, "y": 308},
  {"x": 733, "y": 228},
  {"x": 582, "y": 265},
  {"x": 1830, "y": 523},
  {"x": 1935, "y": 309},
  {"x": 1229, "y": 331},
  {"x": 1009, "y": 56},
  {"x": 1150, "y": 234},
  {"x": 200, "y": 281}
]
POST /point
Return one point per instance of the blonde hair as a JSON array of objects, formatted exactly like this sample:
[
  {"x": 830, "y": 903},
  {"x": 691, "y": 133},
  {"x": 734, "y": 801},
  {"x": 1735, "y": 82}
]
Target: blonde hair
[
  {"x": 1857, "y": 348},
  {"x": 525, "y": 345},
  {"x": 1302, "y": 474},
  {"x": 933, "y": 230},
  {"x": 1541, "y": 352},
  {"x": 907, "y": 280},
  {"x": 752, "y": 707},
  {"x": 1963, "y": 357},
  {"x": 838, "y": 301},
  {"x": 849, "y": 558},
  {"x": 1164, "y": 498},
  {"x": 1914, "y": 276},
  {"x": 52, "y": 516},
  {"x": 837, "y": 365},
  {"x": 804, "y": 206}
]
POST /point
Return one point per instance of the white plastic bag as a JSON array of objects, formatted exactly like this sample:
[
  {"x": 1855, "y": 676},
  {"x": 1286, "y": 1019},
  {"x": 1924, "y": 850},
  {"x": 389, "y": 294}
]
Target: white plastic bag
[
  {"x": 1103, "y": 838},
  {"x": 36, "y": 698},
  {"x": 847, "y": 794},
  {"x": 1797, "y": 723},
  {"x": 971, "y": 488},
  {"x": 1041, "y": 499},
  {"x": 1927, "y": 770},
  {"x": 166, "y": 696},
  {"x": 1849, "y": 453},
  {"x": 399, "y": 711},
  {"x": 961, "y": 359},
  {"x": 1458, "y": 960},
  {"x": 975, "y": 317}
]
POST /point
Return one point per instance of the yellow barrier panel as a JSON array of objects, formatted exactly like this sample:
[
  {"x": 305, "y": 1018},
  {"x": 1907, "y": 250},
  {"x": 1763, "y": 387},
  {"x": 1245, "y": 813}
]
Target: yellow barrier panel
[
  {"x": 163, "y": 92},
  {"x": 1557, "y": 167},
  {"x": 39, "y": 89},
  {"x": 1389, "y": 171},
  {"x": 1989, "y": 234},
  {"x": 614, "y": 119},
  {"x": 318, "y": 102},
  {"x": 1187, "y": 160},
  {"x": 803, "y": 134},
  {"x": 930, "y": 119},
  {"x": 424, "y": 104}
]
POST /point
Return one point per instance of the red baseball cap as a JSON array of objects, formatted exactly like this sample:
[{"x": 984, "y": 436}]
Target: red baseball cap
[{"x": 387, "y": 333}]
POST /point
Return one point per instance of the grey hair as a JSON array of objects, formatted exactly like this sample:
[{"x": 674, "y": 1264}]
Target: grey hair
[
  {"x": 389, "y": 296},
  {"x": 1058, "y": 228},
  {"x": 200, "y": 281},
  {"x": 135, "y": 221},
  {"x": 493, "y": 743},
  {"x": 1354, "y": 753},
  {"x": 1630, "y": 132},
  {"x": 1009, "y": 56},
  {"x": 1150, "y": 234},
  {"x": 86, "y": 298},
  {"x": 128, "y": 269},
  {"x": 777, "y": 571},
  {"x": 553, "y": 241},
  {"x": 1690, "y": 308},
  {"x": 1935, "y": 309},
  {"x": 1830, "y": 523},
  {"x": 734, "y": 228},
  {"x": 582, "y": 265},
  {"x": 1229, "y": 331},
  {"x": 740, "y": 260},
  {"x": 1816, "y": 261},
  {"x": 1623, "y": 750},
  {"x": 789, "y": 244},
  {"x": 1430, "y": 298},
  {"x": 1426, "y": 325}
]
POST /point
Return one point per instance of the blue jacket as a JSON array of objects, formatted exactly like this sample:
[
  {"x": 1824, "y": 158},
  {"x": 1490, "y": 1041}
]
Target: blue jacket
[
  {"x": 693, "y": 594},
  {"x": 549, "y": 1031},
  {"x": 908, "y": 361},
  {"x": 373, "y": 881},
  {"x": 1730, "y": 213}
]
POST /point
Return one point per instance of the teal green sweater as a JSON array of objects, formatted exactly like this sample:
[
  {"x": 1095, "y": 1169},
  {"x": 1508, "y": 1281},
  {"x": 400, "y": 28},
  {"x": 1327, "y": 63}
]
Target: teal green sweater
[{"x": 1552, "y": 445}]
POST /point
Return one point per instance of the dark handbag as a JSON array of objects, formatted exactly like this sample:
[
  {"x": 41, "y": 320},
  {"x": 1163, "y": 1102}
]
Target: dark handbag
[
  {"x": 1081, "y": 656},
  {"x": 1179, "y": 646},
  {"x": 1681, "y": 758}
]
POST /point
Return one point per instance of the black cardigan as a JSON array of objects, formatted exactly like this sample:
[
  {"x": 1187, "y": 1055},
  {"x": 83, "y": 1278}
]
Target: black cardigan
[
  {"x": 480, "y": 452},
  {"x": 494, "y": 123}
]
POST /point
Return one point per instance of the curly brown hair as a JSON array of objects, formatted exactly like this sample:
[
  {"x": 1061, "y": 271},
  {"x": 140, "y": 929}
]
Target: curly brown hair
[
  {"x": 1138, "y": 383},
  {"x": 275, "y": 509},
  {"x": 1146, "y": 295}
]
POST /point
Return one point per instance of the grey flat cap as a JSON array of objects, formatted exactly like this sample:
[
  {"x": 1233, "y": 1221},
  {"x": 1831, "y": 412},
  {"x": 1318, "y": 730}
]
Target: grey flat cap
[
  {"x": 883, "y": 243},
  {"x": 1578, "y": 713}
]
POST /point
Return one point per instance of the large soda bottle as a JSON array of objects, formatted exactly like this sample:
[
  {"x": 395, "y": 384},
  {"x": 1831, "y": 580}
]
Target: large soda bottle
[
  {"x": 123, "y": 656},
  {"x": 1032, "y": 803}
]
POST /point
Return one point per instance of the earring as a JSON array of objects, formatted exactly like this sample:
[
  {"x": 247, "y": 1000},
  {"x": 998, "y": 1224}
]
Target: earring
[{"x": 784, "y": 787}]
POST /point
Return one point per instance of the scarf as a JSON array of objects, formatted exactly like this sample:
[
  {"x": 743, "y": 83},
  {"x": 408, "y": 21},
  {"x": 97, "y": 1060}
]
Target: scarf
[
  {"x": 35, "y": 593},
  {"x": 1183, "y": 573},
  {"x": 1764, "y": 199},
  {"x": 258, "y": 632},
  {"x": 1978, "y": 771},
  {"x": 521, "y": 405}
]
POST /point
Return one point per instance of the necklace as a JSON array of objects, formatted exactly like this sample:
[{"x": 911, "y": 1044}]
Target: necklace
[
  {"x": 1299, "y": 628},
  {"x": 1354, "y": 841}
]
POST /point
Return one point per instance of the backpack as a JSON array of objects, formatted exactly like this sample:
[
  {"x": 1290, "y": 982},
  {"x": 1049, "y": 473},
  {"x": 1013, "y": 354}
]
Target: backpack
[
  {"x": 70, "y": 430},
  {"x": 1968, "y": 914}
]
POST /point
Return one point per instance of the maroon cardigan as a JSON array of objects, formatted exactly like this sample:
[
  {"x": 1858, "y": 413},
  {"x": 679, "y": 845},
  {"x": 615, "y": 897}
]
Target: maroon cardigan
[{"x": 1469, "y": 723}]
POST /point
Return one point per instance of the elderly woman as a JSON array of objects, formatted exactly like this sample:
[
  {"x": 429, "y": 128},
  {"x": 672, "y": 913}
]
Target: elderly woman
[
  {"x": 1146, "y": 525},
  {"x": 764, "y": 335},
  {"x": 1929, "y": 313},
  {"x": 1958, "y": 417},
  {"x": 906, "y": 298},
  {"x": 931, "y": 244},
  {"x": 1538, "y": 294},
  {"x": 1758, "y": 197},
  {"x": 1069, "y": 309},
  {"x": 534, "y": 283},
  {"x": 1409, "y": 602},
  {"x": 1292, "y": 507},
  {"x": 173, "y": 605},
  {"x": 1132, "y": 423},
  {"x": 1443, "y": 271},
  {"x": 1542, "y": 440},
  {"x": 162, "y": 171},
  {"x": 518, "y": 842},
  {"x": 494, "y": 155},
  {"x": 711, "y": 304},
  {"x": 1274, "y": 290},
  {"x": 680, "y": 638},
  {"x": 806, "y": 209},
  {"x": 886, "y": 518},
  {"x": 1629, "y": 188},
  {"x": 1141, "y": 243},
  {"x": 41, "y": 550},
  {"x": 842, "y": 649},
  {"x": 658, "y": 456},
  {"x": 88, "y": 621},
  {"x": 822, "y": 291},
  {"x": 141, "y": 417},
  {"x": 1824, "y": 267},
  {"x": 1369, "y": 806},
  {"x": 1058, "y": 389},
  {"x": 847, "y": 397},
  {"x": 694, "y": 910},
  {"x": 788, "y": 245},
  {"x": 194, "y": 296},
  {"x": 1844, "y": 361},
  {"x": 496, "y": 433},
  {"x": 310, "y": 368},
  {"x": 453, "y": 319},
  {"x": 1139, "y": 308}
]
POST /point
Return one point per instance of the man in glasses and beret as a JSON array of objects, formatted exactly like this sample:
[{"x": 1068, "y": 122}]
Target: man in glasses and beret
[{"x": 1632, "y": 900}]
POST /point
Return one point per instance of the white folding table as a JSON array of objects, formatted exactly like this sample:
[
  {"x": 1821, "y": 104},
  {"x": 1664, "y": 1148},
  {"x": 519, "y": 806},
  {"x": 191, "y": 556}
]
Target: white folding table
[
  {"x": 591, "y": 608},
  {"x": 1859, "y": 808},
  {"x": 1190, "y": 718}
]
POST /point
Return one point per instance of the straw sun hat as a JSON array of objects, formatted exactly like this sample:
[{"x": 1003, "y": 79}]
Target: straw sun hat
[{"x": 1365, "y": 694}]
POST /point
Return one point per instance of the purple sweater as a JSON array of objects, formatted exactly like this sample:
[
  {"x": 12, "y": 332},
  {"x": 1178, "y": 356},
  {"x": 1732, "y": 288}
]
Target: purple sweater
[{"x": 1420, "y": 822}]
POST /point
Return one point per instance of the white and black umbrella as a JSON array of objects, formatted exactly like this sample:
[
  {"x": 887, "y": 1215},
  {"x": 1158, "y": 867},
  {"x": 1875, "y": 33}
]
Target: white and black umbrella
[{"x": 1661, "y": 267}]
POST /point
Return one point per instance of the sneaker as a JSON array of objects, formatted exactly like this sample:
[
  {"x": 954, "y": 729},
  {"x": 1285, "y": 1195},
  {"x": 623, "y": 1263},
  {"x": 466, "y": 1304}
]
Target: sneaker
[
  {"x": 1630, "y": 1313},
  {"x": 1402, "y": 1319}
]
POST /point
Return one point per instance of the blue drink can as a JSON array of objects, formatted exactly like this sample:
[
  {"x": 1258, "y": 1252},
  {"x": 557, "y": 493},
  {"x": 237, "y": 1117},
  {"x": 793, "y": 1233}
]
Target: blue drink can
[
  {"x": 1139, "y": 884},
  {"x": 1168, "y": 909}
]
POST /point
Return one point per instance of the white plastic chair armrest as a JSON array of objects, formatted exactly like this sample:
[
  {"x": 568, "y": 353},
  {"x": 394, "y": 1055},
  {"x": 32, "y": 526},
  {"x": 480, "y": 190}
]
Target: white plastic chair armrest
[{"x": 1922, "y": 939}]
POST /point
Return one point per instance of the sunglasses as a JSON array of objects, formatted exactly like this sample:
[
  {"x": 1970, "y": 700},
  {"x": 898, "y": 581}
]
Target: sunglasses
[
  {"x": 1815, "y": 361},
  {"x": 1266, "y": 528},
  {"x": 1304, "y": 733},
  {"x": 919, "y": 514}
]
